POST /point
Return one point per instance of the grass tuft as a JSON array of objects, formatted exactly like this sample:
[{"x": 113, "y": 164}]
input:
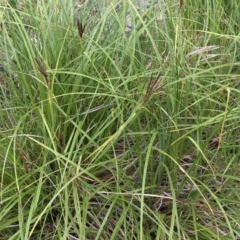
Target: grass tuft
[{"x": 119, "y": 121}]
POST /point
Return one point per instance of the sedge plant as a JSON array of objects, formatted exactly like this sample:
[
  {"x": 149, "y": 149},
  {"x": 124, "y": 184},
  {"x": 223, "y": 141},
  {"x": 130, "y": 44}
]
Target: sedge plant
[{"x": 111, "y": 133}]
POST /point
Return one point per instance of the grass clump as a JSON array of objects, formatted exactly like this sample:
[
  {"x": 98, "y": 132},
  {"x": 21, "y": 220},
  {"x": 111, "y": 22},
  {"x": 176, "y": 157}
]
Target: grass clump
[{"x": 120, "y": 123}]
